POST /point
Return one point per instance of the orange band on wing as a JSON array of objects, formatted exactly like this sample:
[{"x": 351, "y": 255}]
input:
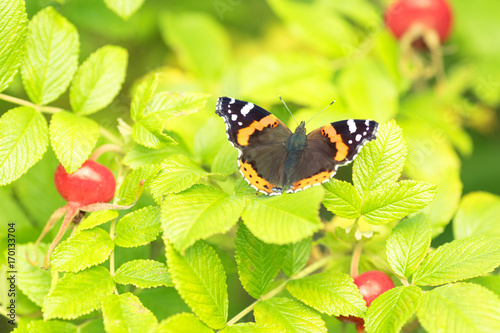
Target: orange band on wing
[
  {"x": 253, "y": 178},
  {"x": 342, "y": 148},
  {"x": 308, "y": 182},
  {"x": 245, "y": 133}
]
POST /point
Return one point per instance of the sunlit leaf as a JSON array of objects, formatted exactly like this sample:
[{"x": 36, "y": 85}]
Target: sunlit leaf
[
  {"x": 24, "y": 137},
  {"x": 73, "y": 139},
  {"x": 51, "y": 59},
  {"x": 13, "y": 30}
]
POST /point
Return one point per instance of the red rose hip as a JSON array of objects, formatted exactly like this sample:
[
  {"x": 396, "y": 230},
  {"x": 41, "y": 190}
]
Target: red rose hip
[
  {"x": 92, "y": 183},
  {"x": 371, "y": 284},
  {"x": 430, "y": 14}
]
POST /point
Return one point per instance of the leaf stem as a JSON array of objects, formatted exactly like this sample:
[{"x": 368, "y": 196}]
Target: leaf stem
[
  {"x": 305, "y": 272},
  {"x": 52, "y": 109},
  {"x": 15, "y": 100},
  {"x": 356, "y": 254}
]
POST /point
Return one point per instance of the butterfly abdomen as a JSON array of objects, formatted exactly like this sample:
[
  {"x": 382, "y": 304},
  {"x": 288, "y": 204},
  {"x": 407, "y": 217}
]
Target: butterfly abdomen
[{"x": 295, "y": 145}]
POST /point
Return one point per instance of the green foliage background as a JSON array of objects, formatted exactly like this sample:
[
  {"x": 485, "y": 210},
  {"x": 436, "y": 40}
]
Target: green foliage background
[{"x": 145, "y": 75}]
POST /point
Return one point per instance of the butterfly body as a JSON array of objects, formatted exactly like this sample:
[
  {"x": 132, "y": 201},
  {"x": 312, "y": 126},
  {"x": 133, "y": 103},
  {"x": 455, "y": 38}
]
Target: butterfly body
[{"x": 272, "y": 159}]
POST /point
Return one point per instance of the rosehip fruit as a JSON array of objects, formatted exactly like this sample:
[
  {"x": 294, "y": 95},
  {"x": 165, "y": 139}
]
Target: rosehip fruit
[
  {"x": 371, "y": 284},
  {"x": 92, "y": 183},
  {"x": 430, "y": 14}
]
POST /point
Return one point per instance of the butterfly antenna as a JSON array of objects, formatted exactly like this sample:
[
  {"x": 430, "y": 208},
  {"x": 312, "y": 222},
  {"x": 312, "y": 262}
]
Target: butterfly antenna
[
  {"x": 321, "y": 111},
  {"x": 291, "y": 114}
]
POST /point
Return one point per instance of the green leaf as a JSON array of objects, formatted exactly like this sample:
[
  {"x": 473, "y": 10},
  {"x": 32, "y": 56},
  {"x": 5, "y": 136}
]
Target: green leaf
[
  {"x": 142, "y": 96},
  {"x": 33, "y": 281},
  {"x": 129, "y": 189},
  {"x": 303, "y": 78},
  {"x": 342, "y": 199},
  {"x": 98, "y": 80},
  {"x": 226, "y": 159},
  {"x": 148, "y": 132},
  {"x": 24, "y": 137},
  {"x": 82, "y": 250},
  {"x": 143, "y": 274},
  {"x": 258, "y": 263},
  {"x": 288, "y": 315},
  {"x": 51, "y": 59},
  {"x": 97, "y": 218},
  {"x": 397, "y": 200},
  {"x": 459, "y": 260},
  {"x": 177, "y": 173},
  {"x": 198, "y": 213},
  {"x": 492, "y": 282},
  {"x": 200, "y": 279},
  {"x": 368, "y": 90},
  {"x": 125, "y": 313},
  {"x": 139, "y": 156},
  {"x": 330, "y": 292},
  {"x": 188, "y": 33},
  {"x": 285, "y": 218},
  {"x": 478, "y": 214},
  {"x": 460, "y": 308},
  {"x": 124, "y": 8},
  {"x": 297, "y": 255},
  {"x": 77, "y": 294},
  {"x": 319, "y": 25},
  {"x": 41, "y": 326},
  {"x": 441, "y": 210},
  {"x": 13, "y": 29},
  {"x": 391, "y": 310},
  {"x": 248, "y": 328},
  {"x": 167, "y": 105},
  {"x": 408, "y": 243},
  {"x": 209, "y": 139},
  {"x": 151, "y": 122},
  {"x": 182, "y": 323},
  {"x": 73, "y": 139},
  {"x": 138, "y": 228},
  {"x": 379, "y": 164}
]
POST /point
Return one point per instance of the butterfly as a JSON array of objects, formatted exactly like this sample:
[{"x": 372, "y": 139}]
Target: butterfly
[{"x": 273, "y": 160}]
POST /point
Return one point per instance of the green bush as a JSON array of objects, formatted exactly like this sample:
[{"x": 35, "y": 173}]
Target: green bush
[{"x": 136, "y": 82}]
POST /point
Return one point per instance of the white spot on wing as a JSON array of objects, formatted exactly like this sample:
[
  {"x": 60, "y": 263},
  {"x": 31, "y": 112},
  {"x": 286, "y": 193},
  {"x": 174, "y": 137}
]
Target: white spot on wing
[
  {"x": 350, "y": 142},
  {"x": 234, "y": 117},
  {"x": 358, "y": 137},
  {"x": 240, "y": 123},
  {"x": 247, "y": 108},
  {"x": 352, "y": 125},
  {"x": 232, "y": 101}
]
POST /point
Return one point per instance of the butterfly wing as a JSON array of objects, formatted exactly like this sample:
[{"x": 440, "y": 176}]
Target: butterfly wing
[
  {"x": 259, "y": 136},
  {"x": 329, "y": 147}
]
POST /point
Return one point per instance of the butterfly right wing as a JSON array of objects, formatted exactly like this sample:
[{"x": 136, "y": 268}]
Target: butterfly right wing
[{"x": 260, "y": 138}]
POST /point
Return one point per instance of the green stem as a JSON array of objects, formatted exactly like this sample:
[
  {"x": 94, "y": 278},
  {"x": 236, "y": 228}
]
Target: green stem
[
  {"x": 41, "y": 108},
  {"x": 51, "y": 109},
  {"x": 305, "y": 272},
  {"x": 356, "y": 255}
]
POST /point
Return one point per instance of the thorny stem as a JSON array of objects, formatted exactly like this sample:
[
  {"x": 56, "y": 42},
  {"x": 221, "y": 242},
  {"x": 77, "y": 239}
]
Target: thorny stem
[{"x": 305, "y": 272}]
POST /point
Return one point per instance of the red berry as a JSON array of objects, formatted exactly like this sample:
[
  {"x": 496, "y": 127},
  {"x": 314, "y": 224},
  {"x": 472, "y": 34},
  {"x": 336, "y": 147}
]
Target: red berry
[
  {"x": 92, "y": 183},
  {"x": 371, "y": 284},
  {"x": 431, "y": 14}
]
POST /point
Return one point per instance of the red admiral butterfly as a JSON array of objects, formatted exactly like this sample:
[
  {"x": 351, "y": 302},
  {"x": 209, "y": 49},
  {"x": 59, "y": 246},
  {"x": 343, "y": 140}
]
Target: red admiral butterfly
[{"x": 272, "y": 159}]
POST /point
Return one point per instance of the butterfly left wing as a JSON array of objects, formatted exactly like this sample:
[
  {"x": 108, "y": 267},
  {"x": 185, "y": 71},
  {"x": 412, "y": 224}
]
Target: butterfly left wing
[
  {"x": 259, "y": 136},
  {"x": 329, "y": 147}
]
